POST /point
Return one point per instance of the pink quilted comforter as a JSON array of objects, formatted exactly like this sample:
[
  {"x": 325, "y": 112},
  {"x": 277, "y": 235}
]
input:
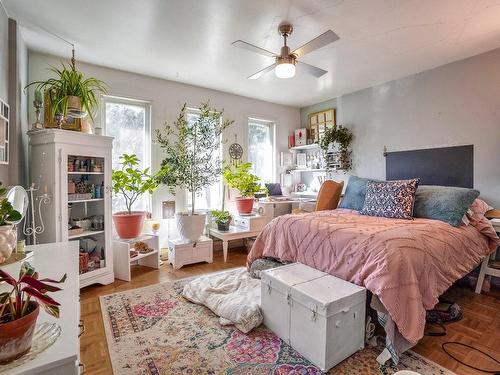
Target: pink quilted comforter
[{"x": 408, "y": 264}]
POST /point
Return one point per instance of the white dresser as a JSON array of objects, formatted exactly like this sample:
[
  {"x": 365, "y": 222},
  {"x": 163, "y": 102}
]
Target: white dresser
[
  {"x": 52, "y": 261},
  {"x": 58, "y": 159}
]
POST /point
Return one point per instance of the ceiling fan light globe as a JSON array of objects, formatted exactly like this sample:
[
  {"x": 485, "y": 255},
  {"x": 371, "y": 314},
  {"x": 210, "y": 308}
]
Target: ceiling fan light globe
[{"x": 285, "y": 70}]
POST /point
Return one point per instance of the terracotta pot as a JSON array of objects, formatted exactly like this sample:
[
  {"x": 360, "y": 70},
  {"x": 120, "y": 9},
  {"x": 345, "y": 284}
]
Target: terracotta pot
[
  {"x": 128, "y": 225},
  {"x": 190, "y": 226},
  {"x": 8, "y": 241},
  {"x": 16, "y": 336},
  {"x": 244, "y": 205}
]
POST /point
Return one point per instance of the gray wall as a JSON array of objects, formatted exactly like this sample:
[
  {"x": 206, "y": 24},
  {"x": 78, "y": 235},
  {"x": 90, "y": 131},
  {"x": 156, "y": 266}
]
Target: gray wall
[{"x": 455, "y": 104}]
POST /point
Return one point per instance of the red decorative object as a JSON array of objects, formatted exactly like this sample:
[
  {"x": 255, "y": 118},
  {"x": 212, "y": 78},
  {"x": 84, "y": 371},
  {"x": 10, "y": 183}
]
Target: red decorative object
[
  {"x": 83, "y": 262},
  {"x": 291, "y": 140}
]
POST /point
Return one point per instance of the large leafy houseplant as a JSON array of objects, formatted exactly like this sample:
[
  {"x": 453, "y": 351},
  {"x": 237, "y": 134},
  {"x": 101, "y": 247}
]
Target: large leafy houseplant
[
  {"x": 68, "y": 84},
  {"x": 132, "y": 182},
  {"x": 245, "y": 182},
  {"x": 8, "y": 234},
  {"x": 335, "y": 144},
  {"x": 19, "y": 309},
  {"x": 191, "y": 149}
]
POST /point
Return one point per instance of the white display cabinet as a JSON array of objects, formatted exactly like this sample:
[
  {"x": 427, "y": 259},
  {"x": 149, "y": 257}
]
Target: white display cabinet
[{"x": 59, "y": 158}]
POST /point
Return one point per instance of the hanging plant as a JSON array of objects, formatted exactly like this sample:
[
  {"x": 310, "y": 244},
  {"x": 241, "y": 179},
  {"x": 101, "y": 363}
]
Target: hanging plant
[
  {"x": 343, "y": 138},
  {"x": 68, "y": 85}
]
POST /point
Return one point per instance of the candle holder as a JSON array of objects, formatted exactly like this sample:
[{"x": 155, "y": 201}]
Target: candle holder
[
  {"x": 59, "y": 119},
  {"x": 37, "y": 124}
]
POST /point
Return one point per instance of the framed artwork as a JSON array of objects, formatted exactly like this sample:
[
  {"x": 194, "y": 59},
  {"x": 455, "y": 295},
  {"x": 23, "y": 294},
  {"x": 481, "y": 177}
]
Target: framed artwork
[
  {"x": 70, "y": 123},
  {"x": 319, "y": 122}
]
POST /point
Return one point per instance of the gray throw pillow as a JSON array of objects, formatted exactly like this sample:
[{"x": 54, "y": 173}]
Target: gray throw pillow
[
  {"x": 354, "y": 196},
  {"x": 448, "y": 204},
  {"x": 393, "y": 199}
]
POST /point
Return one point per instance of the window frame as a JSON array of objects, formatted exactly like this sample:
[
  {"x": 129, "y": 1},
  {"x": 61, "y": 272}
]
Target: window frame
[
  {"x": 273, "y": 125},
  {"x": 147, "y": 161}
]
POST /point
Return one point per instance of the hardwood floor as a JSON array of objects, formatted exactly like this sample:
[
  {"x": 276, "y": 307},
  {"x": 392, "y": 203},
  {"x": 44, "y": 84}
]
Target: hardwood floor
[{"x": 480, "y": 326}]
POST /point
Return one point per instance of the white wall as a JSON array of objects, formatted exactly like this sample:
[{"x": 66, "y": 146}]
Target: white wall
[
  {"x": 455, "y": 104},
  {"x": 167, "y": 97}
]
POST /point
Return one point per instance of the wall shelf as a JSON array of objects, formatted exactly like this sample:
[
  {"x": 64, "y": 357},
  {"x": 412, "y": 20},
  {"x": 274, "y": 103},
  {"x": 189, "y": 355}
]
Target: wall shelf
[{"x": 313, "y": 146}]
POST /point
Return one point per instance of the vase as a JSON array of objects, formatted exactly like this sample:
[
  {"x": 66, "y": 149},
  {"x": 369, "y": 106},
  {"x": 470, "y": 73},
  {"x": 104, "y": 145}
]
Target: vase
[
  {"x": 16, "y": 336},
  {"x": 8, "y": 241},
  {"x": 223, "y": 226},
  {"x": 190, "y": 226},
  {"x": 128, "y": 225},
  {"x": 244, "y": 205}
]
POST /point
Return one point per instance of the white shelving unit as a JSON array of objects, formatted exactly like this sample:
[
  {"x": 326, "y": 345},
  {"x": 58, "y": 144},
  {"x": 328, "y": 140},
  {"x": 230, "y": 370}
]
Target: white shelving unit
[
  {"x": 312, "y": 146},
  {"x": 122, "y": 260},
  {"x": 50, "y": 152}
]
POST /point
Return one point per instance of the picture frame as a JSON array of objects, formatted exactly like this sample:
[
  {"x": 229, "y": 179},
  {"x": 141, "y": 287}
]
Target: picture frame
[
  {"x": 318, "y": 122},
  {"x": 70, "y": 123}
]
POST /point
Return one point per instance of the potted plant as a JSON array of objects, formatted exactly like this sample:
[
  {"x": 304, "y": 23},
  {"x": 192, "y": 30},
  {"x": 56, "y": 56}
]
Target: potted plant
[
  {"x": 8, "y": 233},
  {"x": 132, "y": 183},
  {"x": 19, "y": 310},
  {"x": 191, "y": 148},
  {"x": 335, "y": 145},
  {"x": 246, "y": 183},
  {"x": 222, "y": 218},
  {"x": 70, "y": 93}
]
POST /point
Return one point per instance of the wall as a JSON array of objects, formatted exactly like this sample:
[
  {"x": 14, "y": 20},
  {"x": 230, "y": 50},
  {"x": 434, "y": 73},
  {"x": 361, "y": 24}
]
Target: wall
[
  {"x": 454, "y": 104},
  {"x": 167, "y": 98},
  {"x": 4, "y": 75}
]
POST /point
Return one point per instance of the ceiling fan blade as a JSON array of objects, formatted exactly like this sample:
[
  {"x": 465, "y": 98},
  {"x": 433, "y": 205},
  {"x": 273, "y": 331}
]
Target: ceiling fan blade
[
  {"x": 317, "y": 72},
  {"x": 318, "y": 42},
  {"x": 260, "y": 73},
  {"x": 252, "y": 48}
]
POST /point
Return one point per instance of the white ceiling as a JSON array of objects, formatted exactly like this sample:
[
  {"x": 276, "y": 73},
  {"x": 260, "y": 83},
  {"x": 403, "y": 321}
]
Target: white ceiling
[{"x": 190, "y": 40}]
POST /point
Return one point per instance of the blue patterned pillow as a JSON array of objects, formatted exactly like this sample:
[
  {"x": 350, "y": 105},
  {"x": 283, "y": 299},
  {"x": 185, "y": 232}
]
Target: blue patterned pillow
[{"x": 393, "y": 199}]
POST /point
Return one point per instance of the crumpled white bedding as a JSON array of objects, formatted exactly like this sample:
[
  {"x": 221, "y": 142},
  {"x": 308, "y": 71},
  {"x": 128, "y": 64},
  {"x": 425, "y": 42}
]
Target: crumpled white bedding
[{"x": 234, "y": 296}]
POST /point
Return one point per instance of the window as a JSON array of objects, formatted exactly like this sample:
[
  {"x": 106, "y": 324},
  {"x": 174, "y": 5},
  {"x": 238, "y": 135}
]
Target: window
[
  {"x": 211, "y": 197},
  {"x": 128, "y": 121},
  {"x": 261, "y": 148}
]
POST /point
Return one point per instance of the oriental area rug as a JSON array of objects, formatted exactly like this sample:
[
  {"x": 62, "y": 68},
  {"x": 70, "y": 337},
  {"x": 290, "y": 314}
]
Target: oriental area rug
[{"x": 154, "y": 330}]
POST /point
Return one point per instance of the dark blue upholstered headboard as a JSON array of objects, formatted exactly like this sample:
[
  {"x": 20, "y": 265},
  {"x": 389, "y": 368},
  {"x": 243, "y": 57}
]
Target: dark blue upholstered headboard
[{"x": 446, "y": 166}]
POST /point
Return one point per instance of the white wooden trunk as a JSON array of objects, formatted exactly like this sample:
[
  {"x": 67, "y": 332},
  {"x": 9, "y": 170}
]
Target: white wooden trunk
[
  {"x": 181, "y": 252},
  {"x": 319, "y": 315},
  {"x": 276, "y": 289}
]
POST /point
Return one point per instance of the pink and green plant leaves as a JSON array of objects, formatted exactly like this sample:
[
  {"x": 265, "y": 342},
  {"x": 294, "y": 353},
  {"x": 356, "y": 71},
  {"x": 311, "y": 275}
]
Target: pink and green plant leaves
[{"x": 15, "y": 304}]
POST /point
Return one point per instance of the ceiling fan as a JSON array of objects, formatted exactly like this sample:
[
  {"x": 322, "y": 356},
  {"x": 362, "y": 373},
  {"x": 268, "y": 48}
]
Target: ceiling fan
[{"x": 284, "y": 66}]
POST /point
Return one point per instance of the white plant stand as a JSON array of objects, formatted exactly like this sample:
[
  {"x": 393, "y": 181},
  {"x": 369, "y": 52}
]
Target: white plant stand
[
  {"x": 234, "y": 233},
  {"x": 181, "y": 252},
  {"x": 122, "y": 260},
  {"x": 485, "y": 266}
]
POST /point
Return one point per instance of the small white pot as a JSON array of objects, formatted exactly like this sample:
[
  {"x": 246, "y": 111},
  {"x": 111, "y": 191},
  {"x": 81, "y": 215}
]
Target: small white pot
[
  {"x": 190, "y": 226},
  {"x": 8, "y": 241}
]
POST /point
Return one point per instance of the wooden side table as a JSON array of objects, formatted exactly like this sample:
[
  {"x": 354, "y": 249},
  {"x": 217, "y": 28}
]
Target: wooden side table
[
  {"x": 234, "y": 233},
  {"x": 181, "y": 253},
  {"x": 122, "y": 260},
  {"x": 485, "y": 267}
]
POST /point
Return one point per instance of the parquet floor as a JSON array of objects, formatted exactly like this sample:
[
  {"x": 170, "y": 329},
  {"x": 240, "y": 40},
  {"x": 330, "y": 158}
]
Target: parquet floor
[{"x": 480, "y": 326}]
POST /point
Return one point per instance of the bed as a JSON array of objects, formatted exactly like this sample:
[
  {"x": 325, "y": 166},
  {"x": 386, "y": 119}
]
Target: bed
[{"x": 405, "y": 264}]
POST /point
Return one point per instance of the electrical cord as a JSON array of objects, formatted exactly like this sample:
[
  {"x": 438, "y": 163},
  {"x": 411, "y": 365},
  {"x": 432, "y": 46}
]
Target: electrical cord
[{"x": 496, "y": 372}]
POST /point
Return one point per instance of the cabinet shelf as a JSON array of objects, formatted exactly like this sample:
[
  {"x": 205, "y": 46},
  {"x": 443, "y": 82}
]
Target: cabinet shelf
[
  {"x": 91, "y": 173},
  {"x": 85, "y": 234},
  {"x": 140, "y": 256},
  {"x": 86, "y": 200}
]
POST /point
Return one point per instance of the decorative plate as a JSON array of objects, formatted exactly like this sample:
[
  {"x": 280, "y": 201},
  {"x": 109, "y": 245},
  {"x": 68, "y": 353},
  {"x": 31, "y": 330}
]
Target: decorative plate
[{"x": 44, "y": 336}]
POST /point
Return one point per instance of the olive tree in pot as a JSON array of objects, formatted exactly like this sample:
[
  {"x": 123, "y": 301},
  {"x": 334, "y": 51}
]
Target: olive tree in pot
[
  {"x": 132, "y": 183},
  {"x": 8, "y": 234},
  {"x": 246, "y": 183},
  {"x": 19, "y": 310},
  {"x": 191, "y": 148}
]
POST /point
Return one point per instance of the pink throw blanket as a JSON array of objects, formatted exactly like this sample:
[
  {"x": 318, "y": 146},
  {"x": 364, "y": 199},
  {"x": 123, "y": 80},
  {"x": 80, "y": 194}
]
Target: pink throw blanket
[{"x": 408, "y": 264}]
